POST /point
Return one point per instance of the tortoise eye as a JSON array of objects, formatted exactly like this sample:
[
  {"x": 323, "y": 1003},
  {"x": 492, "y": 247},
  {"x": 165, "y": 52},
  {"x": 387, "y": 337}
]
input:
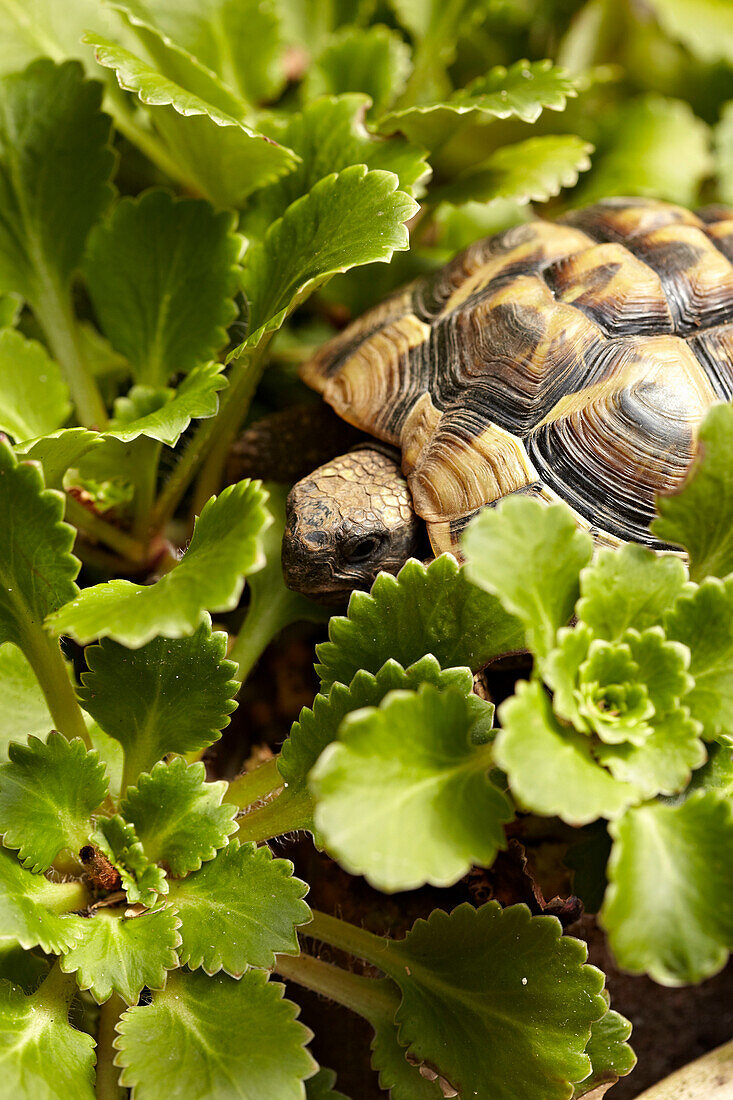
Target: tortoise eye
[{"x": 362, "y": 549}]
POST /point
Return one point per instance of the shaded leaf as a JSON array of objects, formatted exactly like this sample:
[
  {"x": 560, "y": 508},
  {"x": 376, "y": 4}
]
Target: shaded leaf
[
  {"x": 669, "y": 906},
  {"x": 329, "y": 135},
  {"x": 403, "y": 1079},
  {"x": 224, "y": 548},
  {"x": 354, "y": 217},
  {"x": 162, "y": 277},
  {"x": 495, "y": 1021},
  {"x": 658, "y": 148},
  {"x": 529, "y": 555},
  {"x": 142, "y": 881},
  {"x": 48, "y": 791},
  {"x": 374, "y": 60},
  {"x": 404, "y": 796},
  {"x": 530, "y": 171},
  {"x": 24, "y": 710},
  {"x": 32, "y": 909},
  {"x": 609, "y": 1052},
  {"x": 34, "y": 399},
  {"x": 323, "y": 1086},
  {"x": 700, "y": 516},
  {"x": 121, "y": 955},
  {"x": 198, "y": 1012},
  {"x": 178, "y": 816},
  {"x": 59, "y": 451},
  {"x": 221, "y": 156},
  {"x": 239, "y": 910},
  {"x": 164, "y": 414},
  {"x": 171, "y": 695},
  {"x": 704, "y": 26},
  {"x": 424, "y": 609},
  {"x": 41, "y": 1054},
  {"x": 523, "y": 91},
  {"x": 54, "y": 169}
]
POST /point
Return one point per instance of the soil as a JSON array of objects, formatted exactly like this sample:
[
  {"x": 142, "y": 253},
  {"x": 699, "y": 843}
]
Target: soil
[{"x": 671, "y": 1026}]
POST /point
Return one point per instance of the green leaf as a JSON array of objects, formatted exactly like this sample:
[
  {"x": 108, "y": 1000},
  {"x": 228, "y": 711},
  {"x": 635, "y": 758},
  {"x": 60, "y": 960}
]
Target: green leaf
[
  {"x": 352, "y": 218},
  {"x": 22, "y": 968},
  {"x": 703, "y": 621},
  {"x": 121, "y": 955},
  {"x": 197, "y": 1013},
  {"x": 704, "y": 26},
  {"x": 162, "y": 277},
  {"x": 224, "y": 548},
  {"x": 656, "y": 147},
  {"x": 628, "y": 587},
  {"x": 551, "y": 768},
  {"x": 41, "y": 1054},
  {"x": 663, "y": 763},
  {"x": 317, "y": 728},
  {"x": 610, "y": 1054},
  {"x": 529, "y": 555},
  {"x": 142, "y": 881},
  {"x": 164, "y": 414},
  {"x": 219, "y": 155},
  {"x": 724, "y": 153},
  {"x": 171, "y": 695},
  {"x": 700, "y": 516},
  {"x": 404, "y": 797},
  {"x": 374, "y": 60},
  {"x": 48, "y": 791},
  {"x": 34, "y": 399},
  {"x": 40, "y": 28},
  {"x": 11, "y": 306},
  {"x": 493, "y": 1020},
  {"x": 37, "y": 568},
  {"x": 24, "y": 706},
  {"x": 402, "y": 1079},
  {"x": 523, "y": 91},
  {"x": 323, "y": 1086},
  {"x": 239, "y": 910},
  {"x": 55, "y": 164},
  {"x": 329, "y": 135},
  {"x": 239, "y": 40},
  {"x": 669, "y": 906},
  {"x": 424, "y": 609},
  {"x": 59, "y": 451},
  {"x": 530, "y": 171},
  {"x": 29, "y": 907},
  {"x": 178, "y": 816}
]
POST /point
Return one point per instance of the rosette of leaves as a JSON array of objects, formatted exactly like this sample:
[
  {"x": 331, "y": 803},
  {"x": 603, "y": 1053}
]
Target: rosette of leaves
[{"x": 625, "y": 705}]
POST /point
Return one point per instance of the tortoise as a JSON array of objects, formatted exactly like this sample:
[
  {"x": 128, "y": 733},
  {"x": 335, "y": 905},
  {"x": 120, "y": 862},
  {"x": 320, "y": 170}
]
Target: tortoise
[{"x": 570, "y": 360}]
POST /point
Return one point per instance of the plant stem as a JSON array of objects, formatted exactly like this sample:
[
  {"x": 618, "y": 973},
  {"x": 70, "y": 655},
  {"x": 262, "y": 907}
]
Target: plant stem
[
  {"x": 251, "y": 786},
  {"x": 347, "y": 937},
  {"x": 46, "y": 660},
  {"x": 56, "y": 317},
  {"x": 244, "y": 378},
  {"x": 107, "y": 1073},
  {"x": 264, "y": 619},
  {"x": 145, "y": 495},
  {"x": 65, "y": 897},
  {"x": 708, "y": 1078},
  {"x": 124, "y": 544},
  {"x": 291, "y": 811},
  {"x": 56, "y": 991},
  {"x": 368, "y": 997}
]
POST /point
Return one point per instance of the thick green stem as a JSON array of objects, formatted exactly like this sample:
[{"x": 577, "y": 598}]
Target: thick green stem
[
  {"x": 368, "y": 997},
  {"x": 56, "y": 991},
  {"x": 347, "y": 937},
  {"x": 46, "y": 660},
  {"x": 213, "y": 436},
  {"x": 107, "y": 1073},
  {"x": 290, "y": 812},
  {"x": 709, "y": 1078},
  {"x": 251, "y": 786},
  {"x": 145, "y": 494},
  {"x": 64, "y": 897},
  {"x": 123, "y": 544},
  {"x": 265, "y": 618},
  {"x": 56, "y": 317}
]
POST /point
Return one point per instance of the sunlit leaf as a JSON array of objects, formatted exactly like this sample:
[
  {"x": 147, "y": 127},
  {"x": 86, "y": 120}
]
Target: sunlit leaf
[
  {"x": 164, "y": 414},
  {"x": 628, "y": 587},
  {"x": 33, "y": 911},
  {"x": 142, "y": 881},
  {"x": 24, "y": 710},
  {"x": 374, "y": 60},
  {"x": 34, "y": 399}
]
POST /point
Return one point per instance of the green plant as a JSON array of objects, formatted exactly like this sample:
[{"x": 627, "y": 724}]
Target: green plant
[{"x": 190, "y": 196}]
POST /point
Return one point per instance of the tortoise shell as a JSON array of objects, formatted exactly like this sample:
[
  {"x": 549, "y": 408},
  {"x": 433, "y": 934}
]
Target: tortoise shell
[{"x": 571, "y": 359}]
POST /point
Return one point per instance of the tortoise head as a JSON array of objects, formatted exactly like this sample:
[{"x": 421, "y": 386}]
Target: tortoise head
[{"x": 345, "y": 522}]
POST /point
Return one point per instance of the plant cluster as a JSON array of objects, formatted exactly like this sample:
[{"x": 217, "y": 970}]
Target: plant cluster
[{"x": 176, "y": 180}]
